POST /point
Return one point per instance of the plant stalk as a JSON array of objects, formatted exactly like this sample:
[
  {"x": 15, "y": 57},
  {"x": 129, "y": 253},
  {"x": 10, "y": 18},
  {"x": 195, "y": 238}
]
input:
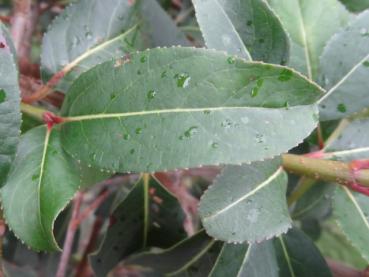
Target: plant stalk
[
  {"x": 326, "y": 170},
  {"x": 34, "y": 112}
]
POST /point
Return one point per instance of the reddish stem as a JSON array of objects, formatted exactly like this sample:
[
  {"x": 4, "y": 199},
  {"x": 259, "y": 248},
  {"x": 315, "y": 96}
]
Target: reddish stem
[
  {"x": 51, "y": 119},
  {"x": 72, "y": 228}
]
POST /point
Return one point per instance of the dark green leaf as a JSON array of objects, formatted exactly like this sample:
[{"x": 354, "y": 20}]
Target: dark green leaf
[
  {"x": 10, "y": 117},
  {"x": 248, "y": 29},
  {"x": 292, "y": 254},
  {"x": 310, "y": 25},
  {"x": 148, "y": 216},
  {"x": 351, "y": 211},
  {"x": 345, "y": 70},
  {"x": 41, "y": 182},
  {"x": 177, "y": 260},
  {"x": 356, "y": 5},
  {"x": 206, "y": 109},
  {"x": 247, "y": 203},
  {"x": 104, "y": 30}
]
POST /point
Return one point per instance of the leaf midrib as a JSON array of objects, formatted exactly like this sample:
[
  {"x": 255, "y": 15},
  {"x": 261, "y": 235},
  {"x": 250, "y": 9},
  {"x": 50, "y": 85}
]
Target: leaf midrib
[
  {"x": 287, "y": 257},
  {"x": 357, "y": 206},
  {"x": 166, "y": 111}
]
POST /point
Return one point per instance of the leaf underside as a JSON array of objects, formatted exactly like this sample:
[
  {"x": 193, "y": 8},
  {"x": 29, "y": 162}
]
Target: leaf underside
[
  {"x": 248, "y": 29},
  {"x": 247, "y": 203},
  {"x": 185, "y": 107},
  {"x": 41, "y": 183}
]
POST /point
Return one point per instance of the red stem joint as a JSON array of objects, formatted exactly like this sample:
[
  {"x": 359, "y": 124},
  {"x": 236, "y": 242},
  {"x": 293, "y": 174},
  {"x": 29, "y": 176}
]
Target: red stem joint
[{"x": 51, "y": 119}]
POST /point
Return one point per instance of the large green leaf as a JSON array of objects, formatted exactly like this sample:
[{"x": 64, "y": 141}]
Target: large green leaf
[
  {"x": 185, "y": 107},
  {"x": 345, "y": 70},
  {"x": 310, "y": 24},
  {"x": 248, "y": 29},
  {"x": 292, "y": 254},
  {"x": 185, "y": 257},
  {"x": 104, "y": 30},
  {"x": 148, "y": 216},
  {"x": 351, "y": 211},
  {"x": 10, "y": 117},
  {"x": 352, "y": 142},
  {"x": 356, "y": 5},
  {"x": 41, "y": 182},
  {"x": 247, "y": 203}
]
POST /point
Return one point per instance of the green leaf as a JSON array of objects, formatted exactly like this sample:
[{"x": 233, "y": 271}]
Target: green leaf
[
  {"x": 351, "y": 211},
  {"x": 206, "y": 109},
  {"x": 179, "y": 259},
  {"x": 292, "y": 254},
  {"x": 345, "y": 70},
  {"x": 356, "y": 5},
  {"x": 248, "y": 29},
  {"x": 310, "y": 25},
  {"x": 148, "y": 216},
  {"x": 247, "y": 203},
  {"x": 104, "y": 30},
  {"x": 41, "y": 182},
  {"x": 10, "y": 117},
  {"x": 352, "y": 142}
]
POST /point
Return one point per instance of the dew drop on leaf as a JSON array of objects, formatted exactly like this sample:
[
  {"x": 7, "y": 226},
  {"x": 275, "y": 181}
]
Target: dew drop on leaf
[
  {"x": 2, "y": 95},
  {"x": 138, "y": 131},
  {"x": 364, "y": 32},
  {"x": 259, "y": 138},
  {"x": 341, "y": 108},
  {"x": 88, "y": 35},
  {"x": 215, "y": 145},
  {"x": 249, "y": 22},
  {"x": 164, "y": 74},
  {"x": 226, "y": 124},
  {"x": 207, "y": 112},
  {"x": 132, "y": 151},
  {"x": 254, "y": 91},
  {"x": 127, "y": 136},
  {"x": 191, "y": 131},
  {"x": 35, "y": 177},
  {"x": 151, "y": 94},
  {"x": 143, "y": 59},
  {"x": 139, "y": 72},
  {"x": 366, "y": 63},
  {"x": 285, "y": 75},
  {"x": 231, "y": 60},
  {"x": 183, "y": 80}
]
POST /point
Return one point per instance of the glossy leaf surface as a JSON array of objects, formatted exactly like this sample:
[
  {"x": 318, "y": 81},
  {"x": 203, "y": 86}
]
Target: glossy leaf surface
[{"x": 206, "y": 107}]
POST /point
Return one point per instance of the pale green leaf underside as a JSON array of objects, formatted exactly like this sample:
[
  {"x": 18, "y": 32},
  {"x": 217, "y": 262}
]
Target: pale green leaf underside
[
  {"x": 10, "y": 118},
  {"x": 185, "y": 107},
  {"x": 351, "y": 211},
  {"x": 104, "y": 30},
  {"x": 352, "y": 143},
  {"x": 248, "y": 29},
  {"x": 345, "y": 71},
  {"x": 41, "y": 183},
  {"x": 310, "y": 25},
  {"x": 139, "y": 222},
  {"x": 247, "y": 203}
]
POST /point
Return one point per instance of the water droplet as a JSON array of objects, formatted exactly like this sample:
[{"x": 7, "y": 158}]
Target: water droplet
[
  {"x": 285, "y": 75},
  {"x": 364, "y": 32},
  {"x": 143, "y": 59},
  {"x": 191, "y": 131},
  {"x": 138, "y": 131},
  {"x": 88, "y": 35},
  {"x": 287, "y": 105},
  {"x": 164, "y": 74},
  {"x": 207, "y": 112},
  {"x": 259, "y": 138},
  {"x": 127, "y": 136},
  {"x": 215, "y": 145},
  {"x": 249, "y": 22},
  {"x": 245, "y": 120},
  {"x": 35, "y": 177},
  {"x": 151, "y": 94},
  {"x": 227, "y": 123},
  {"x": 132, "y": 151},
  {"x": 231, "y": 60},
  {"x": 93, "y": 156},
  {"x": 183, "y": 80},
  {"x": 261, "y": 40},
  {"x": 341, "y": 108},
  {"x": 366, "y": 63},
  {"x": 254, "y": 91},
  {"x": 139, "y": 72},
  {"x": 2, "y": 95}
]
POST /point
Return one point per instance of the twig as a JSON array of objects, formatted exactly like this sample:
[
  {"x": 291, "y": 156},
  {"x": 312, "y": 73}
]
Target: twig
[{"x": 72, "y": 228}]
